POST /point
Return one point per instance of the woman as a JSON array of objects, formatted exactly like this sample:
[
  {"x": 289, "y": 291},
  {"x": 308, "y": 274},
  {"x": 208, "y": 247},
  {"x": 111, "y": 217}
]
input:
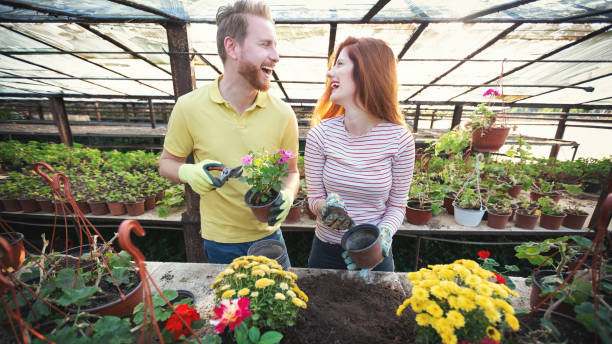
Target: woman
[{"x": 359, "y": 154}]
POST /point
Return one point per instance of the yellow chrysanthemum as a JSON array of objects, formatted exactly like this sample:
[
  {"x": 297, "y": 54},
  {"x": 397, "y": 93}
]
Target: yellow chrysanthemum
[
  {"x": 512, "y": 322},
  {"x": 450, "y": 286},
  {"x": 403, "y": 306},
  {"x": 423, "y": 319},
  {"x": 470, "y": 264},
  {"x": 449, "y": 338},
  {"x": 244, "y": 291},
  {"x": 484, "y": 302},
  {"x": 277, "y": 272},
  {"x": 473, "y": 280},
  {"x": 465, "y": 304},
  {"x": 284, "y": 286},
  {"x": 447, "y": 274},
  {"x": 493, "y": 333},
  {"x": 258, "y": 272},
  {"x": 254, "y": 294},
  {"x": 420, "y": 293},
  {"x": 264, "y": 268},
  {"x": 504, "y": 306},
  {"x": 492, "y": 315},
  {"x": 225, "y": 286},
  {"x": 279, "y": 296},
  {"x": 228, "y": 293},
  {"x": 456, "y": 319},
  {"x": 484, "y": 289},
  {"x": 462, "y": 271},
  {"x": 291, "y": 294},
  {"x": 439, "y": 292},
  {"x": 433, "y": 309},
  {"x": 299, "y": 302},
  {"x": 414, "y": 276},
  {"x": 263, "y": 283},
  {"x": 417, "y": 305}
]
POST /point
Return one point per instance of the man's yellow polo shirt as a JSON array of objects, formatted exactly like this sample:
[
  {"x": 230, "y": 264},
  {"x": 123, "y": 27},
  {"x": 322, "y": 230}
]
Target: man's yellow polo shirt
[{"x": 204, "y": 123}]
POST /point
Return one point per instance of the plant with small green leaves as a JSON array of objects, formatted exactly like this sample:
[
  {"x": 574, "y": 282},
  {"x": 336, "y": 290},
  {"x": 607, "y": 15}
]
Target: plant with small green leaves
[{"x": 550, "y": 207}]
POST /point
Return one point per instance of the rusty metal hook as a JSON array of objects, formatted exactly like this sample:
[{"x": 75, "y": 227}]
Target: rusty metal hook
[
  {"x": 60, "y": 178},
  {"x": 38, "y": 165},
  {"x": 125, "y": 242}
]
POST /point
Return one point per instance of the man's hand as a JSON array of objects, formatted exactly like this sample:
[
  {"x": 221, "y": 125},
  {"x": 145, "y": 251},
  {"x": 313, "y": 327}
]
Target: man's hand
[
  {"x": 198, "y": 177},
  {"x": 280, "y": 208},
  {"x": 334, "y": 213}
]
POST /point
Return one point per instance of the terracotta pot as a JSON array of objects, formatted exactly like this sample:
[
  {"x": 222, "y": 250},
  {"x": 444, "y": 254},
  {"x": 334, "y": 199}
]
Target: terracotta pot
[
  {"x": 448, "y": 203},
  {"x": 160, "y": 195},
  {"x": 11, "y": 204},
  {"x": 416, "y": 215},
  {"x": 536, "y": 290},
  {"x": 116, "y": 208},
  {"x": 363, "y": 245},
  {"x": 272, "y": 249},
  {"x": 295, "y": 212},
  {"x": 17, "y": 256},
  {"x": 515, "y": 191},
  {"x": 490, "y": 140},
  {"x": 98, "y": 208},
  {"x": 574, "y": 221},
  {"x": 29, "y": 205},
  {"x": 149, "y": 203},
  {"x": 525, "y": 221},
  {"x": 551, "y": 221},
  {"x": 534, "y": 196},
  {"x": 120, "y": 307},
  {"x": 135, "y": 208},
  {"x": 46, "y": 206},
  {"x": 261, "y": 212},
  {"x": 83, "y": 207},
  {"x": 497, "y": 221}
]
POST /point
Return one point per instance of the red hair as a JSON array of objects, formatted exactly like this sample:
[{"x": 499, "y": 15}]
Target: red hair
[{"x": 375, "y": 75}]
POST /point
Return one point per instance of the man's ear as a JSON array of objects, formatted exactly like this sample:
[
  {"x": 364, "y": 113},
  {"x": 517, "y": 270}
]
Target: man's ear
[{"x": 232, "y": 49}]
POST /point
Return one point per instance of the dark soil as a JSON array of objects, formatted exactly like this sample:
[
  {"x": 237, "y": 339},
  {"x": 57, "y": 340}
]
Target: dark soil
[
  {"x": 350, "y": 311},
  {"x": 109, "y": 291},
  {"x": 570, "y": 329}
]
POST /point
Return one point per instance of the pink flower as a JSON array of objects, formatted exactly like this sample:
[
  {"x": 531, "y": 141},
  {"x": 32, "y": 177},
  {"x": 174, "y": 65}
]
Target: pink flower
[
  {"x": 286, "y": 155},
  {"x": 247, "y": 160},
  {"x": 230, "y": 312},
  {"x": 490, "y": 91}
]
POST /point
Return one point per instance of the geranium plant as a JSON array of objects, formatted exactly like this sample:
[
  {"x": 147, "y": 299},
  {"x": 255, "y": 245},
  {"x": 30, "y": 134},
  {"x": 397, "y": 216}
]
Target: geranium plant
[
  {"x": 264, "y": 172},
  {"x": 483, "y": 117},
  {"x": 459, "y": 302},
  {"x": 275, "y": 298}
]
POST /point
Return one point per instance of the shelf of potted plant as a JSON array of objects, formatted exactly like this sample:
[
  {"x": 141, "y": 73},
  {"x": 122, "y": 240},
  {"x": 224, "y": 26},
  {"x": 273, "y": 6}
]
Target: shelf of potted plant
[{"x": 553, "y": 214}]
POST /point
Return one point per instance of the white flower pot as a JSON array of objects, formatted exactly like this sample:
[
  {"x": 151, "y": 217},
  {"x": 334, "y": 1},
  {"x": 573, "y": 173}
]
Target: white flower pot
[{"x": 468, "y": 217}]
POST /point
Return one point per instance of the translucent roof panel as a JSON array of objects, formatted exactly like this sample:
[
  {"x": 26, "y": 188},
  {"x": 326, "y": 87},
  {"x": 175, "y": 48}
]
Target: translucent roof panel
[
  {"x": 302, "y": 40},
  {"x": 554, "y": 9},
  {"x": 602, "y": 89},
  {"x": 304, "y": 91},
  {"x": 18, "y": 68},
  {"x": 396, "y": 35},
  {"x": 140, "y": 37},
  {"x": 129, "y": 87},
  {"x": 89, "y": 8},
  {"x": 440, "y": 9},
  {"x": 203, "y": 71},
  {"x": 510, "y": 93},
  {"x": 473, "y": 73},
  {"x": 295, "y": 69},
  {"x": 13, "y": 85},
  {"x": 323, "y": 10}
]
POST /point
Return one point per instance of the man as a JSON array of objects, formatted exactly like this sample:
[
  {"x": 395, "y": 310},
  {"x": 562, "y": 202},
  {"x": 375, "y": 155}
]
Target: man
[{"x": 221, "y": 122}]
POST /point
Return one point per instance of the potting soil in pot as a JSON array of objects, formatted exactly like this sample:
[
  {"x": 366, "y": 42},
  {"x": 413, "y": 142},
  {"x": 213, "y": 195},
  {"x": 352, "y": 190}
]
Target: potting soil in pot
[{"x": 349, "y": 311}]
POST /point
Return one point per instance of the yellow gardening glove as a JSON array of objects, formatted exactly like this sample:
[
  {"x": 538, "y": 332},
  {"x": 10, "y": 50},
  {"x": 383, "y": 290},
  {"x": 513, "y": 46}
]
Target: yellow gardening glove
[
  {"x": 198, "y": 177},
  {"x": 280, "y": 208}
]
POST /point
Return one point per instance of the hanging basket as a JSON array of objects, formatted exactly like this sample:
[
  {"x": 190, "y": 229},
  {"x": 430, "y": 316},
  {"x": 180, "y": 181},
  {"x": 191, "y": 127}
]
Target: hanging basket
[{"x": 489, "y": 140}]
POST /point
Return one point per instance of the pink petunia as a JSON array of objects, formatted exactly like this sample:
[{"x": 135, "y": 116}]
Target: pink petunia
[
  {"x": 490, "y": 91},
  {"x": 247, "y": 160},
  {"x": 230, "y": 312}
]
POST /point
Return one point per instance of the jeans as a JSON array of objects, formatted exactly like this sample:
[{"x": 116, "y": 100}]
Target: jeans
[
  {"x": 222, "y": 253},
  {"x": 328, "y": 256}
]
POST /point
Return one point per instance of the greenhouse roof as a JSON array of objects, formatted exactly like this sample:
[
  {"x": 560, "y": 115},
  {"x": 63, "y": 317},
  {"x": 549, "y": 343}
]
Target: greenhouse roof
[{"x": 556, "y": 51}]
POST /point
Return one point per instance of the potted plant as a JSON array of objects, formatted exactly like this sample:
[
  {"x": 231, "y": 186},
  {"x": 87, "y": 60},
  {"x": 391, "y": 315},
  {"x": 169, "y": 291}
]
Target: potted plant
[
  {"x": 264, "y": 172},
  {"x": 552, "y": 213},
  {"x": 488, "y": 135},
  {"x": 575, "y": 217},
  {"x": 469, "y": 208},
  {"x": 527, "y": 215},
  {"x": 499, "y": 209},
  {"x": 420, "y": 208}
]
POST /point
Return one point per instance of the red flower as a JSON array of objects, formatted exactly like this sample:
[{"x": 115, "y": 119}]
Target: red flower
[
  {"x": 488, "y": 340},
  {"x": 174, "y": 324},
  {"x": 484, "y": 254},
  {"x": 230, "y": 313},
  {"x": 500, "y": 279}
]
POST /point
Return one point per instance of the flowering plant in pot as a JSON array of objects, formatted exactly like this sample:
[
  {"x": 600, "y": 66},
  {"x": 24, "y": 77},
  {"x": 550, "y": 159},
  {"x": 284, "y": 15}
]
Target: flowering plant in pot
[
  {"x": 552, "y": 213},
  {"x": 274, "y": 295},
  {"x": 574, "y": 216},
  {"x": 527, "y": 215},
  {"x": 264, "y": 172},
  {"x": 499, "y": 209},
  {"x": 469, "y": 208},
  {"x": 488, "y": 135},
  {"x": 459, "y": 302},
  {"x": 492, "y": 265}
]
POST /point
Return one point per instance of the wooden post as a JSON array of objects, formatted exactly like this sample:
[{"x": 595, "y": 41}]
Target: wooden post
[
  {"x": 30, "y": 114},
  {"x": 554, "y": 150},
  {"x": 98, "y": 114},
  {"x": 417, "y": 114},
  {"x": 606, "y": 189},
  {"x": 61, "y": 119},
  {"x": 152, "y": 113},
  {"x": 456, "y": 116},
  {"x": 126, "y": 115},
  {"x": 433, "y": 116},
  {"x": 41, "y": 115},
  {"x": 165, "y": 115},
  {"x": 183, "y": 80}
]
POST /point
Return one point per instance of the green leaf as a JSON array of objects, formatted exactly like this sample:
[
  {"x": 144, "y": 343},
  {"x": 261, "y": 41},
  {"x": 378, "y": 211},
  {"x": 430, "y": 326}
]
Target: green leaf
[
  {"x": 582, "y": 241},
  {"x": 271, "y": 337},
  {"x": 112, "y": 330},
  {"x": 549, "y": 325},
  {"x": 254, "y": 334},
  {"x": 511, "y": 268},
  {"x": 65, "y": 280},
  {"x": 65, "y": 335},
  {"x": 76, "y": 296}
]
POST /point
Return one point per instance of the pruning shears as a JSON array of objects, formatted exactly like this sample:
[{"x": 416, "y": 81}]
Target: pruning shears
[{"x": 226, "y": 172}]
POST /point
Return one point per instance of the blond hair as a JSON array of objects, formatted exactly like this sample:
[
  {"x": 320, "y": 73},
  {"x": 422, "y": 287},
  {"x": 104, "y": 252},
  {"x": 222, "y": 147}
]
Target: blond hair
[{"x": 232, "y": 21}]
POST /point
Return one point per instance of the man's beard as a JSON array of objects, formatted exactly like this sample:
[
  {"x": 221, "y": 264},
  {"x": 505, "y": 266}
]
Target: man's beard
[{"x": 251, "y": 73}]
